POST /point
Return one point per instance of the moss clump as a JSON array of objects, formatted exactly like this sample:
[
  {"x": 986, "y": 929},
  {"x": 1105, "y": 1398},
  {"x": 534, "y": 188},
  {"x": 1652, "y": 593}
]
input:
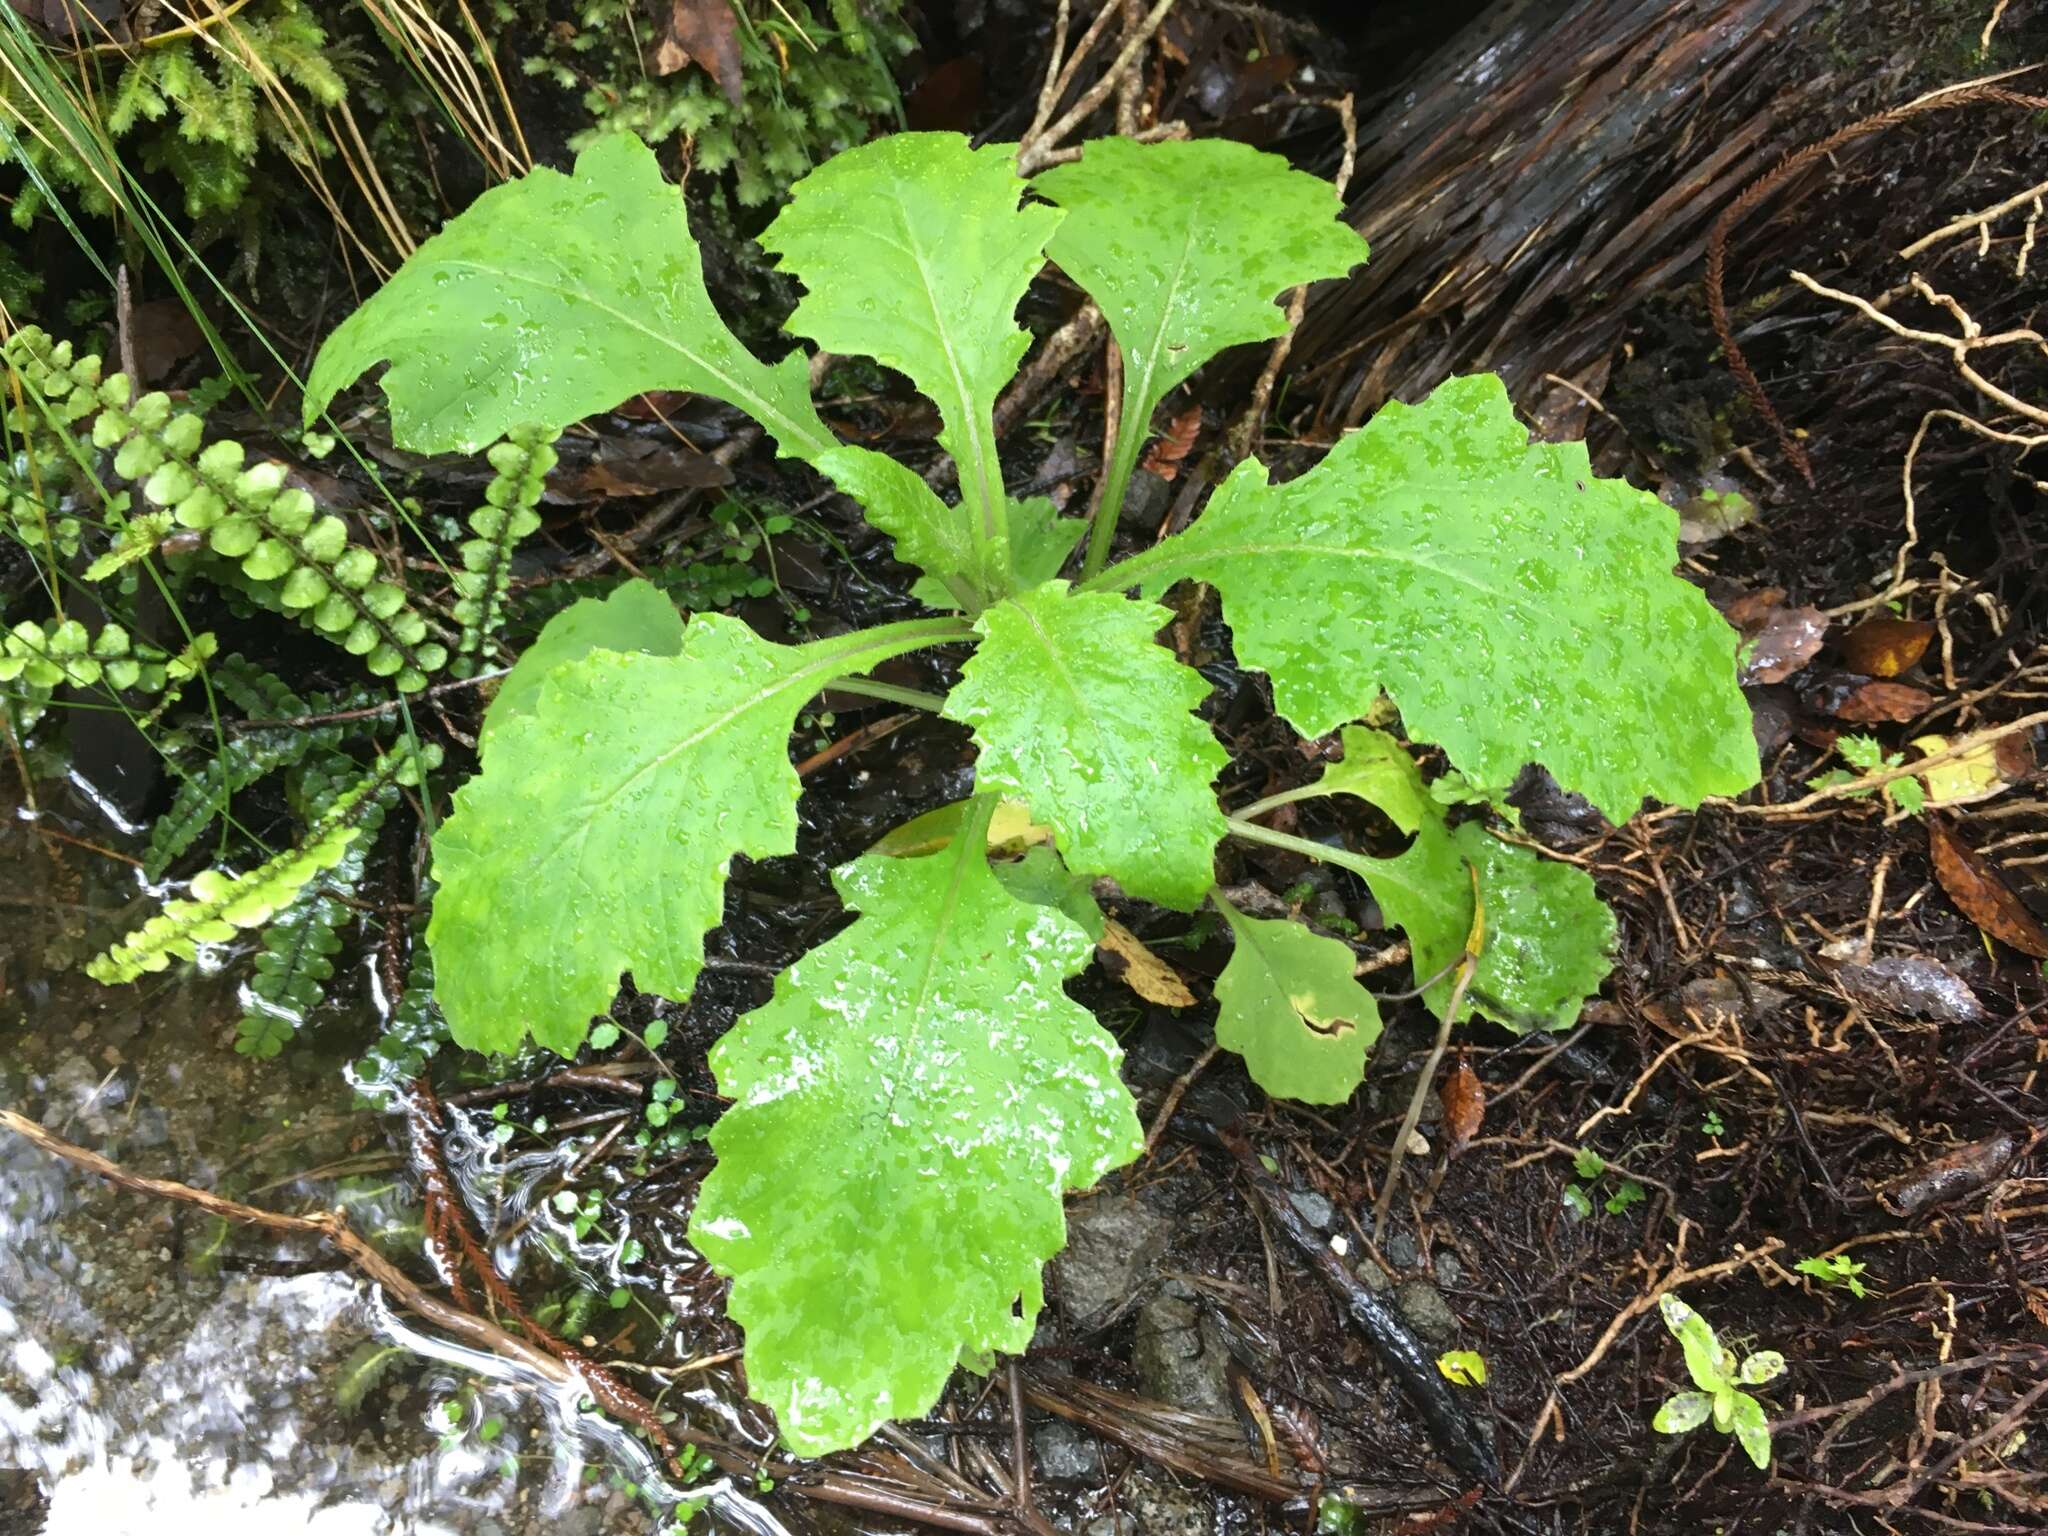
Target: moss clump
[{"x": 815, "y": 80}]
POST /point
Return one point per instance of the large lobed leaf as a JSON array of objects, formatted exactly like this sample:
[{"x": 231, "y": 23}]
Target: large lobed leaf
[
  {"x": 1185, "y": 246},
  {"x": 913, "y": 251},
  {"x": 1080, "y": 714},
  {"x": 597, "y": 837},
  {"x": 550, "y": 298},
  {"x": 908, "y": 1111},
  {"x": 636, "y": 616},
  {"x": 1288, "y": 1003},
  {"x": 1515, "y": 607}
]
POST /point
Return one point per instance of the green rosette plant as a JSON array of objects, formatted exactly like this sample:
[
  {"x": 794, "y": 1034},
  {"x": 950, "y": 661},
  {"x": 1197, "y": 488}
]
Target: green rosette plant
[{"x": 913, "y": 1102}]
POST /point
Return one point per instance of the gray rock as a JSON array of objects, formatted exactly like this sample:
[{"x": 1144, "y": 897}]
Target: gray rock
[
  {"x": 1315, "y": 1210},
  {"x": 1066, "y": 1454},
  {"x": 1164, "y": 1508},
  {"x": 1180, "y": 1356},
  {"x": 1726, "y": 1000},
  {"x": 1114, "y": 1244},
  {"x": 1423, "y": 1305},
  {"x": 1401, "y": 1251},
  {"x": 1368, "y": 1270},
  {"x": 1449, "y": 1271}
]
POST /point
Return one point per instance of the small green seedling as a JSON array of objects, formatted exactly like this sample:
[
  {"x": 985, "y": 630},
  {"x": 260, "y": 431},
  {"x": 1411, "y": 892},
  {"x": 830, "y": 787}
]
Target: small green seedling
[
  {"x": 1591, "y": 1166},
  {"x": 1868, "y": 756},
  {"x": 1836, "y": 1271},
  {"x": 1720, "y": 1381}
]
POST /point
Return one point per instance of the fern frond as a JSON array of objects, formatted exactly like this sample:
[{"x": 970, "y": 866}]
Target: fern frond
[
  {"x": 274, "y": 533},
  {"x": 521, "y": 464},
  {"x": 43, "y": 657},
  {"x": 297, "y": 960},
  {"x": 362, "y": 1371},
  {"x": 222, "y": 904}
]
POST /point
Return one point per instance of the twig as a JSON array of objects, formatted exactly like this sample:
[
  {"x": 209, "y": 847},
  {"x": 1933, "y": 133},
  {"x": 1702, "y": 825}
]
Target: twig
[
  {"x": 1763, "y": 186},
  {"x": 1030, "y": 155},
  {"x": 1173, "y": 1097},
  {"x": 1451, "y": 1425},
  {"x": 1244, "y": 435},
  {"x": 329, "y": 1227},
  {"x": 454, "y": 685},
  {"x": 1475, "y": 944}
]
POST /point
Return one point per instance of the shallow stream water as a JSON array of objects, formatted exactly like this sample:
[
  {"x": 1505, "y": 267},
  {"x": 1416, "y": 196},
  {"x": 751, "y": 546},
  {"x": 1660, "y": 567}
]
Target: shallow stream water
[{"x": 160, "y": 1372}]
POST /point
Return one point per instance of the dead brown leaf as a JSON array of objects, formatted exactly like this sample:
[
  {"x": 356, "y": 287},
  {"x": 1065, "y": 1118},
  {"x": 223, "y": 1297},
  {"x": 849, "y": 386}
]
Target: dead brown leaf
[
  {"x": 638, "y": 466},
  {"x": 1175, "y": 443},
  {"x": 1874, "y": 703},
  {"x": 1779, "y": 640},
  {"x": 1981, "y": 894},
  {"x": 1885, "y": 647},
  {"x": 1961, "y": 1171},
  {"x": 704, "y": 33},
  {"x": 1464, "y": 1101},
  {"x": 1141, "y": 970}
]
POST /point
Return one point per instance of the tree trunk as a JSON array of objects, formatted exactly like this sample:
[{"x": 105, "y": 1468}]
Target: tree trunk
[{"x": 1545, "y": 169}]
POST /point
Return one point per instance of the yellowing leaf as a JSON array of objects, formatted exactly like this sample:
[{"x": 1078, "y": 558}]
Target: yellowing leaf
[
  {"x": 1974, "y": 774},
  {"x": 1463, "y": 1367},
  {"x": 1144, "y": 972},
  {"x": 1011, "y": 828}
]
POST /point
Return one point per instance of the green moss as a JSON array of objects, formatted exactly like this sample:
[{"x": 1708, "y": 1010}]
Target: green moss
[{"x": 815, "y": 80}]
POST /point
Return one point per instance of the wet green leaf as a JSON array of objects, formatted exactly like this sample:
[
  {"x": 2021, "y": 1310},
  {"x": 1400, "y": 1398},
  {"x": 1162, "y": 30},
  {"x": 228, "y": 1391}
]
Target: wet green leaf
[
  {"x": 1288, "y": 1003},
  {"x": 1463, "y": 1367},
  {"x": 1080, "y": 714},
  {"x": 596, "y": 839},
  {"x": 1709, "y": 1364},
  {"x": 1752, "y": 1429},
  {"x": 1185, "y": 246},
  {"x": 1548, "y": 936},
  {"x": 908, "y": 1111},
  {"x": 548, "y": 299},
  {"x": 1041, "y": 879},
  {"x": 1514, "y": 606},
  {"x": 637, "y": 617},
  {"x": 913, "y": 250},
  {"x": 1682, "y": 1411}
]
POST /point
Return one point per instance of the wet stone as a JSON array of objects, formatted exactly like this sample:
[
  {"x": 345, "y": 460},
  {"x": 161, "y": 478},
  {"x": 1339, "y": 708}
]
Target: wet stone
[
  {"x": 1114, "y": 1244},
  {"x": 1372, "y": 1276},
  {"x": 1449, "y": 1272},
  {"x": 1423, "y": 1305},
  {"x": 1180, "y": 1356},
  {"x": 1314, "y": 1208},
  {"x": 1157, "y": 1507},
  {"x": 1913, "y": 986},
  {"x": 1401, "y": 1251},
  {"x": 1066, "y": 1454}
]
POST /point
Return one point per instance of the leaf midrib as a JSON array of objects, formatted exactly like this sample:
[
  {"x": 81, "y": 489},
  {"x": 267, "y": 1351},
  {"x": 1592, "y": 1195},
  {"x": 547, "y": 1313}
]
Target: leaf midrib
[
  {"x": 827, "y": 665},
  {"x": 790, "y": 430}
]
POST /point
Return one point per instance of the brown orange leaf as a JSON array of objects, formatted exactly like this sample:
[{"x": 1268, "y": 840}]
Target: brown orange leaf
[
  {"x": 704, "y": 33},
  {"x": 1175, "y": 443},
  {"x": 1981, "y": 893},
  {"x": 1464, "y": 1102},
  {"x": 1880, "y": 702},
  {"x": 1885, "y": 647}
]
